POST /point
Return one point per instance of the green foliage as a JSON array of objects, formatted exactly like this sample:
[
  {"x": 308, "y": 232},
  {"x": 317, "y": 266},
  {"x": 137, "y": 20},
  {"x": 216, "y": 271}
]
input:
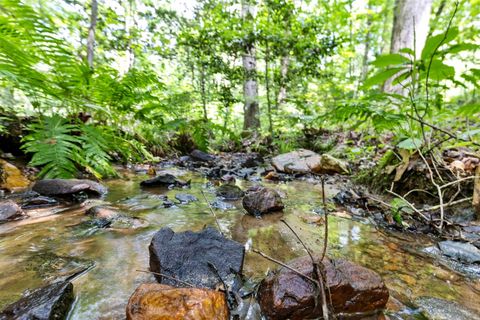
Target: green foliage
[{"x": 61, "y": 149}]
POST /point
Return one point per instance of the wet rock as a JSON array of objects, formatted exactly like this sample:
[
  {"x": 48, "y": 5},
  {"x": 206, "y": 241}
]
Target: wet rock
[
  {"x": 229, "y": 192},
  {"x": 185, "y": 198},
  {"x": 460, "y": 251},
  {"x": 158, "y": 301},
  {"x": 51, "y": 267},
  {"x": 330, "y": 164},
  {"x": 103, "y": 212},
  {"x": 439, "y": 309},
  {"x": 355, "y": 291},
  {"x": 125, "y": 222},
  {"x": 164, "y": 180},
  {"x": 168, "y": 203},
  {"x": 299, "y": 161},
  {"x": 38, "y": 202},
  {"x": 305, "y": 161},
  {"x": 187, "y": 256},
  {"x": 251, "y": 160},
  {"x": 47, "y": 303},
  {"x": 9, "y": 210},
  {"x": 11, "y": 178},
  {"x": 64, "y": 187},
  {"x": 201, "y": 156},
  {"x": 262, "y": 201},
  {"x": 221, "y": 205}
]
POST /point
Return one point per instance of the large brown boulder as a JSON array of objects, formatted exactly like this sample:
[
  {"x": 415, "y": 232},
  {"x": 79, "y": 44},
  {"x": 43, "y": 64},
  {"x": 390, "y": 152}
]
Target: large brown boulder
[
  {"x": 262, "y": 201},
  {"x": 9, "y": 210},
  {"x": 189, "y": 256},
  {"x": 158, "y": 301},
  {"x": 11, "y": 178},
  {"x": 355, "y": 291}
]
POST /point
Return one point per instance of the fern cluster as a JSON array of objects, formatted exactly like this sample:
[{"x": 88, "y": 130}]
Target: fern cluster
[{"x": 61, "y": 149}]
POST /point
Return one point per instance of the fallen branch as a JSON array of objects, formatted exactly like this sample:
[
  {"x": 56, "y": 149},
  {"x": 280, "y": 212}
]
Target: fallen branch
[{"x": 453, "y": 203}]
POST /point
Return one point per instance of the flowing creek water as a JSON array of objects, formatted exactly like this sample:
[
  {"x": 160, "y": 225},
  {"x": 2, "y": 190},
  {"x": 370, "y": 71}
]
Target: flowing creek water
[{"x": 45, "y": 246}]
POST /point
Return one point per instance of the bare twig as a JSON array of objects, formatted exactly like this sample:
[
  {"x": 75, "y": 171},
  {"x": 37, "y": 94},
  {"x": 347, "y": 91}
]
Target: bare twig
[
  {"x": 168, "y": 277},
  {"x": 453, "y": 203},
  {"x": 325, "y": 236},
  {"x": 213, "y": 213},
  {"x": 285, "y": 266},
  {"x": 409, "y": 204}
]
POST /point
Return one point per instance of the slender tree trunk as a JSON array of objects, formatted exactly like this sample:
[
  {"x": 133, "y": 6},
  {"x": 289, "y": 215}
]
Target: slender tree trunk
[
  {"x": 203, "y": 91},
  {"x": 251, "y": 117},
  {"x": 410, "y": 29},
  {"x": 267, "y": 87},
  {"x": 282, "y": 91},
  {"x": 368, "y": 37},
  {"x": 91, "y": 33},
  {"x": 410, "y": 25}
]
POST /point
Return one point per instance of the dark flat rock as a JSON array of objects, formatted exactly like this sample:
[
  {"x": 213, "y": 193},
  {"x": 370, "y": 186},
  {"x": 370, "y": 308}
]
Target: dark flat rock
[
  {"x": 201, "y": 156},
  {"x": 164, "y": 180},
  {"x": 186, "y": 256},
  {"x": 185, "y": 198},
  {"x": 51, "y": 302},
  {"x": 62, "y": 187}
]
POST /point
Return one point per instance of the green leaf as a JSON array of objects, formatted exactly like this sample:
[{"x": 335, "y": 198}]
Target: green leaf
[
  {"x": 381, "y": 77},
  {"x": 469, "y": 109},
  {"x": 410, "y": 144},
  {"x": 390, "y": 59},
  {"x": 461, "y": 47},
  {"x": 434, "y": 42},
  {"x": 440, "y": 71}
]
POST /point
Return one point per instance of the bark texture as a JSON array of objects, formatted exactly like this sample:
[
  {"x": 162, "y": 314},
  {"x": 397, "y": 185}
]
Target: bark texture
[
  {"x": 251, "y": 119},
  {"x": 91, "y": 33},
  {"x": 410, "y": 30}
]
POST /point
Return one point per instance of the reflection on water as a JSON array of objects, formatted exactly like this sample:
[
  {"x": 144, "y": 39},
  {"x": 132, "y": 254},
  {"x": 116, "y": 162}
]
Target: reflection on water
[{"x": 35, "y": 252}]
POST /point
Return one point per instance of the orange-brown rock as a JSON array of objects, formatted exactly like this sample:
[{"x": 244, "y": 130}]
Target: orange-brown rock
[
  {"x": 154, "y": 301},
  {"x": 356, "y": 292},
  {"x": 11, "y": 178}
]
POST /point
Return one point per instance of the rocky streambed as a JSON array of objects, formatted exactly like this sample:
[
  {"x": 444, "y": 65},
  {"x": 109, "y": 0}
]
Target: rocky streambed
[{"x": 101, "y": 246}]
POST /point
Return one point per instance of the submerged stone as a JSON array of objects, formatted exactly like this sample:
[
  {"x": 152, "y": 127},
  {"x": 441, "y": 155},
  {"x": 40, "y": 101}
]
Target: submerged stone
[
  {"x": 189, "y": 256},
  {"x": 230, "y": 192},
  {"x": 440, "y": 309},
  {"x": 355, "y": 291},
  {"x": 158, "y": 301},
  {"x": 185, "y": 198},
  {"x": 63, "y": 187},
  {"x": 51, "y": 302},
  {"x": 460, "y": 251},
  {"x": 164, "y": 180},
  {"x": 262, "y": 201}
]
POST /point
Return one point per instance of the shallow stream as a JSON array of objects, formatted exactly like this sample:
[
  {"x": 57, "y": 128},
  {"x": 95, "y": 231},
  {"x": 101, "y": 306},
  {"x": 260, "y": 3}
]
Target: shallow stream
[{"x": 45, "y": 246}]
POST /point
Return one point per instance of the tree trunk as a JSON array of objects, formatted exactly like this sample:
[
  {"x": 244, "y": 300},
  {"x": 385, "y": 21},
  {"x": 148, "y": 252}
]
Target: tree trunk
[
  {"x": 91, "y": 33},
  {"x": 410, "y": 25},
  {"x": 282, "y": 91},
  {"x": 203, "y": 91},
  {"x": 267, "y": 88},
  {"x": 251, "y": 117},
  {"x": 410, "y": 29}
]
